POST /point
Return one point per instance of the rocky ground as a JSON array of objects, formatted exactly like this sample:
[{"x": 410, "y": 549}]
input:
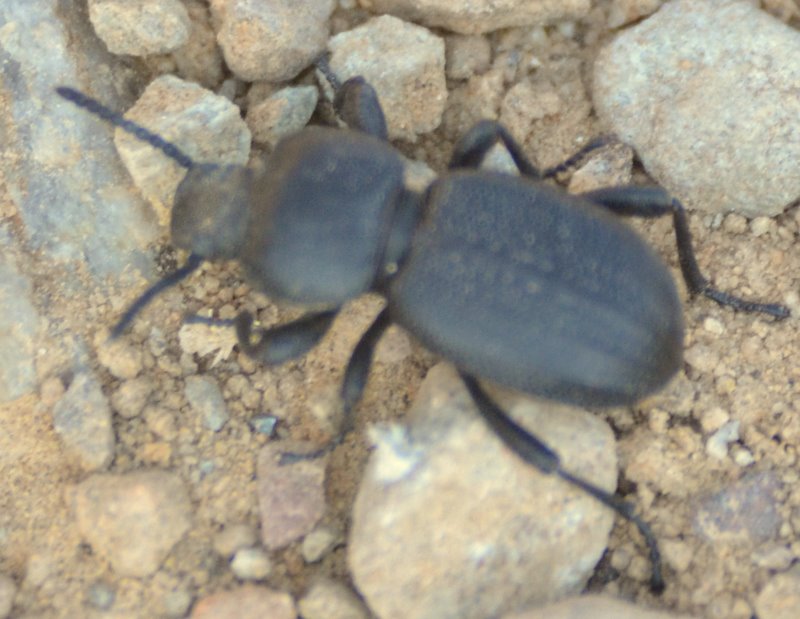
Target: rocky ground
[{"x": 142, "y": 475}]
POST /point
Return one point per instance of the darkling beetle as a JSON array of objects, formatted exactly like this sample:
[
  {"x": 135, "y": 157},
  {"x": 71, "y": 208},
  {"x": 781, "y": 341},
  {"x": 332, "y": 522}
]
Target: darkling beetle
[{"x": 509, "y": 278}]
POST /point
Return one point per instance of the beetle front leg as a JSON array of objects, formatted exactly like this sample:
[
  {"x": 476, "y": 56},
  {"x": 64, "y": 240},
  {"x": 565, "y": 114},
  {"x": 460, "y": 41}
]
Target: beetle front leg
[
  {"x": 535, "y": 452},
  {"x": 655, "y": 202},
  {"x": 284, "y": 342},
  {"x": 355, "y": 379}
]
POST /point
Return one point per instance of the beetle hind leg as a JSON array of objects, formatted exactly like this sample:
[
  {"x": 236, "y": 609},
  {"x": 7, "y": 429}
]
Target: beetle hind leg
[
  {"x": 536, "y": 453},
  {"x": 655, "y": 202}
]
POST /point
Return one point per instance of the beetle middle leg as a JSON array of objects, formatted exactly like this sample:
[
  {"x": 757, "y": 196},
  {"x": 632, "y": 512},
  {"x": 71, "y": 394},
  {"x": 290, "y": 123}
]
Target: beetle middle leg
[{"x": 536, "y": 453}]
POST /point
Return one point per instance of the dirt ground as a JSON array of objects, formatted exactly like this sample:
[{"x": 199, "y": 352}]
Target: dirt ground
[{"x": 742, "y": 365}]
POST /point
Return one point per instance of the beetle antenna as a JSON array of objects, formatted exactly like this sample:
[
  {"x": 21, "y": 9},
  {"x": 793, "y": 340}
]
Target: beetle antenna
[
  {"x": 148, "y": 295},
  {"x": 118, "y": 120},
  {"x": 322, "y": 62}
]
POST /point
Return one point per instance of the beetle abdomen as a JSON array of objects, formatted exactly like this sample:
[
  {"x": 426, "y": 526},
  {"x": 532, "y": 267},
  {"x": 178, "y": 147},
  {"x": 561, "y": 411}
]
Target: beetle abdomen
[{"x": 521, "y": 284}]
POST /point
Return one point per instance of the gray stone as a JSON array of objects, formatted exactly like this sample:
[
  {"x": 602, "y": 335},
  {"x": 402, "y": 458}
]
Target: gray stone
[
  {"x": 318, "y": 543},
  {"x": 140, "y": 27},
  {"x": 71, "y": 193},
  {"x": 19, "y": 323},
  {"x": 706, "y": 92},
  {"x": 251, "y": 564},
  {"x": 743, "y": 513},
  {"x": 282, "y": 113},
  {"x": 233, "y": 538},
  {"x": 200, "y": 59},
  {"x": 478, "y": 16},
  {"x": 449, "y": 523},
  {"x": 405, "y": 63},
  {"x": 82, "y": 418},
  {"x": 131, "y": 397}
]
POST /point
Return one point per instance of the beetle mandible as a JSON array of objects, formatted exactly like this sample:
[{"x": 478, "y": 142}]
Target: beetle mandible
[{"x": 509, "y": 278}]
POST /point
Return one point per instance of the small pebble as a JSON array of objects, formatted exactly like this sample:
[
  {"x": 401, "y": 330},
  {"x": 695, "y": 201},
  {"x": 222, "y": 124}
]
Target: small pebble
[
  {"x": 118, "y": 356},
  {"x": 773, "y": 557},
  {"x": 717, "y": 443},
  {"x": 233, "y": 538},
  {"x": 82, "y": 419},
  {"x": 246, "y": 602},
  {"x": 251, "y": 564},
  {"x": 466, "y": 55},
  {"x": 264, "y": 424},
  {"x": 101, "y": 595},
  {"x": 745, "y": 512},
  {"x": 404, "y": 63},
  {"x": 176, "y": 603},
  {"x": 318, "y": 543},
  {"x": 206, "y": 400},
  {"x": 281, "y": 114},
  {"x": 291, "y": 497},
  {"x": 140, "y": 27},
  {"x": 330, "y": 599},
  {"x": 780, "y": 597}
]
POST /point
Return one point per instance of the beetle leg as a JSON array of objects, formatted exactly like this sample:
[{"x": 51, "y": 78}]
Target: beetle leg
[
  {"x": 533, "y": 451},
  {"x": 655, "y": 202},
  {"x": 579, "y": 156},
  {"x": 355, "y": 379},
  {"x": 284, "y": 342},
  {"x": 355, "y": 102},
  {"x": 472, "y": 148},
  {"x": 357, "y": 372}
]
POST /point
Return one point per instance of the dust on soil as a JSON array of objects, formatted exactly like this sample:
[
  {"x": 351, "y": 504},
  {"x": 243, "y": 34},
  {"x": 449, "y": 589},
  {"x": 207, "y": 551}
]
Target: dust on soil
[{"x": 748, "y": 366}]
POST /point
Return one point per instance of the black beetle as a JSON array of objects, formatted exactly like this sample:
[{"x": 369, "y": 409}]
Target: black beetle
[{"x": 511, "y": 279}]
